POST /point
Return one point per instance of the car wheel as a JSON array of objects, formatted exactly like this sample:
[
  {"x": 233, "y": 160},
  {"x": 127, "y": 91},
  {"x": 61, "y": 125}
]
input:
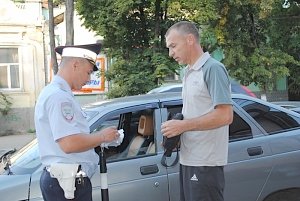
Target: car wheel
[{"x": 285, "y": 195}]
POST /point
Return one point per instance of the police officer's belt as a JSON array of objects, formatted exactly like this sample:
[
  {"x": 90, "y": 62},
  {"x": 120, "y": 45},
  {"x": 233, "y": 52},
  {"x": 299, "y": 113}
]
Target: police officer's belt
[
  {"x": 79, "y": 173},
  {"x": 66, "y": 174}
]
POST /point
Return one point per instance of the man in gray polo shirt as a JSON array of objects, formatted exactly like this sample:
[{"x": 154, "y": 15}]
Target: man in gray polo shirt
[{"x": 207, "y": 111}]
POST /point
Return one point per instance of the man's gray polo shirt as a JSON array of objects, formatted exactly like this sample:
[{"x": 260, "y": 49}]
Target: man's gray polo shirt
[{"x": 205, "y": 85}]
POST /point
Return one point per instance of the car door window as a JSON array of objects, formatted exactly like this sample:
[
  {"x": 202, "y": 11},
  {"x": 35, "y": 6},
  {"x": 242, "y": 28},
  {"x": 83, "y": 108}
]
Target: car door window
[
  {"x": 138, "y": 126},
  {"x": 239, "y": 129},
  {"x": 270, "y": 119}
]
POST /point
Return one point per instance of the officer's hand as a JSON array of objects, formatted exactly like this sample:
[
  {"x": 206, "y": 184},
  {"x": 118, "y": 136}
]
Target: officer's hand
[{"x": 110, "y": 134}]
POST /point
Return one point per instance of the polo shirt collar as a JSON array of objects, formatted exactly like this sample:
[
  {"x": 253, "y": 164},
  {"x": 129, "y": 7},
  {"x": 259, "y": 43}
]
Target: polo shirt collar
[
  {"x": 63, "y": 85},
  {"x": 201, "y": 61}
]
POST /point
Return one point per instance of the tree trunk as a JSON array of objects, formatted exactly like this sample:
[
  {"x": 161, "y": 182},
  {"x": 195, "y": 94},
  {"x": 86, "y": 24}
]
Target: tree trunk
[
  {"x": 157, "y": 31},
  {"x": 69, "y": 22},
  {"x": 53, "y": 61},
  {"x": 263, "y": 95}
]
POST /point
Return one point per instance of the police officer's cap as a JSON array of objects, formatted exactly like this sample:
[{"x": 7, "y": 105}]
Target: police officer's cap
[{"x": 89, "y": 52}]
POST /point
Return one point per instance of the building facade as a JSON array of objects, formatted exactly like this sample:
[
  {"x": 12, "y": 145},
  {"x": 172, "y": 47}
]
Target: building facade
[
  {"x": 24, "y": 60},
  {"x": 22, "y": 67}
]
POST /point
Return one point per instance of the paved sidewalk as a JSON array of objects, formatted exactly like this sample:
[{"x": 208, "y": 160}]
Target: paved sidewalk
[{"x": 15, "y": 141}]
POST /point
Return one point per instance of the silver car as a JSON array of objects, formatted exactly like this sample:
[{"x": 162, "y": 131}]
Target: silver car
[
  {"x": 264, "y": 153},
  {"x": 292, "y": 105}
]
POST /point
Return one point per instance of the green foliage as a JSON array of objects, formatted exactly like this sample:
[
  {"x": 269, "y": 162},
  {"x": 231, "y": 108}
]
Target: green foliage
[
  {"x": 264, "y": 67},
  {"x": 5, "y": 104},
  {"x": 130, "y": 76},
  {"x": 201, "y": 12},
  {"x": 58, "y": 2},
  {"x": 139, "y": 74},
  {"x": 284, "y": 32},
  {"x": 31, "y": 130},
  {"x": 260, "y": 39},
  {"x": 133, "y": 34}
]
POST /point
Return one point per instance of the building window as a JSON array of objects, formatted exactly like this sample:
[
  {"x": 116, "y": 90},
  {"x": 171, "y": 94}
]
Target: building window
[{"x": 9, "y": 68}]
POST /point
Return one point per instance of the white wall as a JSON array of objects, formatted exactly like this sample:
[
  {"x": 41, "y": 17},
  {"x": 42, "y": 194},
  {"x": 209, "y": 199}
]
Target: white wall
[
  {"x": 21, "y": 28},
  {"x": 81, "y": 34}
]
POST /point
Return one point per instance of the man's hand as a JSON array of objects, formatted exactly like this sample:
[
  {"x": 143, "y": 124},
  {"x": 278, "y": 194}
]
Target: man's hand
[{"x": 172, "y": 128}]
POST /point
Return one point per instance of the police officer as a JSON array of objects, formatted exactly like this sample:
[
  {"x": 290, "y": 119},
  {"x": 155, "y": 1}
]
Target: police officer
[{"x": 64, "y": 139}]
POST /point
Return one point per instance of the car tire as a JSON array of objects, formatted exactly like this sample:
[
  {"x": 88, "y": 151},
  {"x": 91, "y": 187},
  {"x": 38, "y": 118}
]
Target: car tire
[{"x": 284, "y": 195}]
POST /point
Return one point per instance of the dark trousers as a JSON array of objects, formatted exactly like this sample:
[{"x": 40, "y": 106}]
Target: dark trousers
[
  {"x": 201, "y": 183},
  {"x": 52, "y": 191}
]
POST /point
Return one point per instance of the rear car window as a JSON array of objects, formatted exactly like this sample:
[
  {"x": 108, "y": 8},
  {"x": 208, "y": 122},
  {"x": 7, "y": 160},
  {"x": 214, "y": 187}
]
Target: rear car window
[{"x": 270, "y": 119}]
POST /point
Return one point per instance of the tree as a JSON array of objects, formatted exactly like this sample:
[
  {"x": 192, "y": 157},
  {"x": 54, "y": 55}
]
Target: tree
[
  {"x": 133, "y": 34},
  {"x": 52, "y": 37},
  {"x": 247, "y": 31},
  {"x": 69, "y": 28},
  {"x": 285, "y": 35},
  {"x": 69, "y": 22},
  {"x": 253, "y": 39}
]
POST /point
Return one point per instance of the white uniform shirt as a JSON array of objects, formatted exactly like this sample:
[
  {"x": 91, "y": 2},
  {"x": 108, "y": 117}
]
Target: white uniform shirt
[{"x": 57, "y": 114}]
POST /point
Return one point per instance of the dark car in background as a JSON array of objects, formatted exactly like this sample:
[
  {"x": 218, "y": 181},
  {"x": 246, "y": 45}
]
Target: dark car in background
[
  {"x": 263, "y": 160},
  {"x": 235, "y": 88}
]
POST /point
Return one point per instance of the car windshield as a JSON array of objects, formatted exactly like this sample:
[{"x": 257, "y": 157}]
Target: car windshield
[
  {"x": 24, "y": 161},
  {"x": 27, "y": 159}
]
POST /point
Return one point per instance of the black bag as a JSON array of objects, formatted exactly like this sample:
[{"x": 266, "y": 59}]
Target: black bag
[{"x": 170, "y": 144}]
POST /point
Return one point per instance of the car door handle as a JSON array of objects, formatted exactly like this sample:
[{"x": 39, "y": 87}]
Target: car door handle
[
  {"x": 254, "y": 151},
  {"x": 149, "y": 169}
]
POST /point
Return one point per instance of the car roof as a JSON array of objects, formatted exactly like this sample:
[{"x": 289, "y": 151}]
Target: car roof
[
  {"x": 128, "y": 101},
  {"x": 105, "y": 106},
  {"x": 288, "y": 104},
  {"x": 166, "y": 87},
  {"x": 236, "y": 88}
]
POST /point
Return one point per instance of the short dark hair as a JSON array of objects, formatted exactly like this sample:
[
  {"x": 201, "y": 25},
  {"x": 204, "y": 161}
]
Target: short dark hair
[{"x": 185, "y": 27}]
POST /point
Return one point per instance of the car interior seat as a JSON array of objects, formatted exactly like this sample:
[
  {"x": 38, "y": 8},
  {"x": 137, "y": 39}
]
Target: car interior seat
[
  {"x": 151, "y": 148},
  {"x": 143, "y": 141}
]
